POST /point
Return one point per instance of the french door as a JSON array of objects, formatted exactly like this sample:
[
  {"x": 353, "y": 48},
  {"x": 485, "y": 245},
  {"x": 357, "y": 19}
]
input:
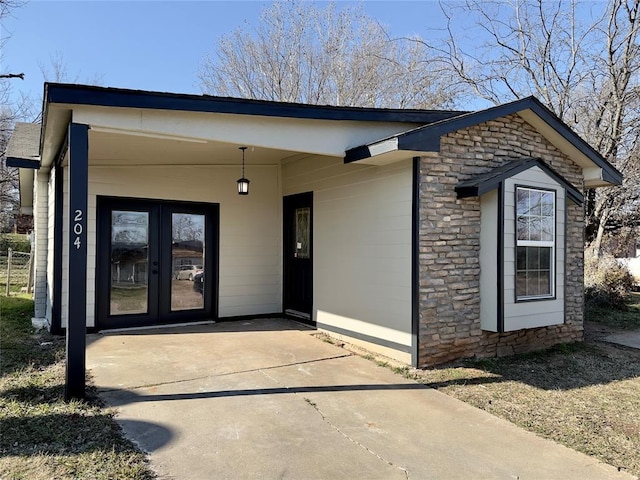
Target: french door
[{"x": 157, "y": 262}]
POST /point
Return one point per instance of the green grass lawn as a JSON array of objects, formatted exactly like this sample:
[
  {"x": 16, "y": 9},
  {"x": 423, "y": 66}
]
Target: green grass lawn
[{"x": 44, "y": 437}]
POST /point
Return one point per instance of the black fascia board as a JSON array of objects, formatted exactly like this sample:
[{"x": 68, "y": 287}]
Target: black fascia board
[
  {"x": 491, "y": 180},
  {"x": 425, "y": 141},
  {"x": 411, "y": 140},
  {"x": 358, "y": 153},
  {"x": 427, "y": 137},
  {"x": 22, "y": 163},
  {"x": 485, "y": 182},
  {"x": 115, "y": 97}
]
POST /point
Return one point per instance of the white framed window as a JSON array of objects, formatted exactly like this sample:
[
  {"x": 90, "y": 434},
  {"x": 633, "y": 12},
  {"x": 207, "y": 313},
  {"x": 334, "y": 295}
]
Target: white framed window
[{"x": 535, "y": 243}]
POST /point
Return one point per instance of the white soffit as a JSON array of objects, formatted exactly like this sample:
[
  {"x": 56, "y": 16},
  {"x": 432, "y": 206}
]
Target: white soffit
[
  {"x": 593, "y": 177},
  {"x": 388, "y": 158},
  {"x": 320, "y": 137},
  {"x": 592, "y": 173}
]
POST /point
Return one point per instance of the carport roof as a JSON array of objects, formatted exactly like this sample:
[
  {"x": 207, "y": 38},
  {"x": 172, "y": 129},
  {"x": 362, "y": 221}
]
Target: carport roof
[{"x": 117, "y": 97}]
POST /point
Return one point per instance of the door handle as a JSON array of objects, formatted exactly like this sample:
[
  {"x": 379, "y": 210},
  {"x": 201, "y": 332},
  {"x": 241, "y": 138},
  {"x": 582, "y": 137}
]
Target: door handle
[{"x": 154, "y": 271}]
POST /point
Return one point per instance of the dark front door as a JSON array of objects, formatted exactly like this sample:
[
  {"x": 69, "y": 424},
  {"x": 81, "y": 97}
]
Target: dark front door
[
  {"x": 298, "y": 255},
  {"x": 157, "y": 262}
]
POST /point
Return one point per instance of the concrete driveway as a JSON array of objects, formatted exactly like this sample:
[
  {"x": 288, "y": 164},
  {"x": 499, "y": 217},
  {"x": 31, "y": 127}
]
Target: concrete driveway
[{"x": 266, "y": 399}]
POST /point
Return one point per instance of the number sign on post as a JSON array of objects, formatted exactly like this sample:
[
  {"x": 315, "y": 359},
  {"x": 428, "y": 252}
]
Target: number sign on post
[
  {"x": 77, "y": 320},
  {"x": 77, "y": 229}
]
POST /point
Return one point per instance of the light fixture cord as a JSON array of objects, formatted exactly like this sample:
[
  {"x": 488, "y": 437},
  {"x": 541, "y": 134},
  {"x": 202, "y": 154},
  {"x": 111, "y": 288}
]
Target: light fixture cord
[{"x": 243, "y": 149}]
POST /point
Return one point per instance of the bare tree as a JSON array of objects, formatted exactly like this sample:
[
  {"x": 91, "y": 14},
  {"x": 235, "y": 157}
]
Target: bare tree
[
  {"x": 300, "y": 52},
  {"x": 11, "y": 111},
  {"x": 583, "y": 64}
]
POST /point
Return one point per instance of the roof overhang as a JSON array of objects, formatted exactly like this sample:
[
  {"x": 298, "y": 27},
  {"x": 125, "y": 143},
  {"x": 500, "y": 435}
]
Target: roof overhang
[
  {"x": 597, "y": 171},
  {"x": 485, "y": 182},
  {"x": 295, "y": 128},
  {"x": 23, "y": 153}
]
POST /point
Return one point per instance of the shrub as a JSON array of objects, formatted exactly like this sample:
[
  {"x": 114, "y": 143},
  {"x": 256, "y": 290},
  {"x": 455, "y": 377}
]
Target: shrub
[
  {"x": 17, "y": 242},
  {"x": 607, "y": 283}
]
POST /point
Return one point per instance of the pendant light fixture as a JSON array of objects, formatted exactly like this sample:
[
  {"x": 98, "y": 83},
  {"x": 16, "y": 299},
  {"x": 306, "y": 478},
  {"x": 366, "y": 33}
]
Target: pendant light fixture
[{"x": 243, "y": 183}]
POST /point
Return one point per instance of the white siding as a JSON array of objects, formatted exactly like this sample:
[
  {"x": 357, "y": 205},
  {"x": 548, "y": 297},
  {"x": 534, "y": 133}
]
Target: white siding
[
  {"x": 539, "y": 313},
  {"x": 41, "y": 213},
  {"x": 64, "y": 303},
  {"x": 250, "y": 227},
  {"x": 517, "y": 315},
  {"x": 362, "y": 245},
  {"x": 51, "y": 247},
  {"x": 489, "y": 261}
]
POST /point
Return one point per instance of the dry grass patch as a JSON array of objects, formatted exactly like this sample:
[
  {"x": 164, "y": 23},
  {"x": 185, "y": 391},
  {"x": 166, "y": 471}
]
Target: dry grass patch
[
  {"x": 44, "y": 437},
  {"x": 586, "y": 397}
]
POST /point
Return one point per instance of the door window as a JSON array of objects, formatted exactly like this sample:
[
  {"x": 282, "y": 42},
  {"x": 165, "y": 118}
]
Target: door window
[
  {"x": 187, "y": 260},
  {"x": 302, "y": 232},
  {"x": 129, "y": 262}
]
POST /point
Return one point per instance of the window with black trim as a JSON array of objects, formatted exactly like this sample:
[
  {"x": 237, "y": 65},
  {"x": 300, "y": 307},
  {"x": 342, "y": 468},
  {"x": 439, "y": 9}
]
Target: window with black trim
[{"x": 535, "y": 243}]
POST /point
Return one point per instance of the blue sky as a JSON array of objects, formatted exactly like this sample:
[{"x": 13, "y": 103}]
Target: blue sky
[{"x": 149, "y": 45}]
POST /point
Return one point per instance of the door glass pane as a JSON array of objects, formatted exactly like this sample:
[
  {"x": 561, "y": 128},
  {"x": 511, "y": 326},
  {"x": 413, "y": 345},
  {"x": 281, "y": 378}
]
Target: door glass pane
[
  {"x": 187, "y": 259},
  {"x": 302, "y": 233},
  {"x": 129, "y": 262}
]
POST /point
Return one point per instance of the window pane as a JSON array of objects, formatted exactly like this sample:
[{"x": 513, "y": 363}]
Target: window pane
[
  {"x": 547, "y": 204},
  {"x": 545, "y": 258},
  {"x": 532, "y": 283},
  {"x": 533, "y": 271},
  {"x": 546, "y": 229},
  {"x": 533, "y": 261},
  {"x": 522, "y": 201},
  {"x": 523, "y": 228},
  {"x": 521, "y": 259},
  {"x": 187, "y": 257},
  {"x": 521, "y": 284},
  {"x": 302, "y": 232},
  {"x": 535, "y": 202},
  {"x": 545, "y": 283},
  {"x": 534, "y": 228},
  {"x": 129, "y": 260}
]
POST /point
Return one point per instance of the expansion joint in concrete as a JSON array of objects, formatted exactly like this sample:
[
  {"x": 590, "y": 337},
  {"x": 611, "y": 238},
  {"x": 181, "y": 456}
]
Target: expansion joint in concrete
[
  {"x": 312, "y": 404},
  {"x": 353, "y": 440}
]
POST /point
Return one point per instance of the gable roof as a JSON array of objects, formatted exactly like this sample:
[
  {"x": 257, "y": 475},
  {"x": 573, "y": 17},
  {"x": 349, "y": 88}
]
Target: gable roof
[
  {"x": 485, "y": 182},
  {"x": 427, "y": 137}
]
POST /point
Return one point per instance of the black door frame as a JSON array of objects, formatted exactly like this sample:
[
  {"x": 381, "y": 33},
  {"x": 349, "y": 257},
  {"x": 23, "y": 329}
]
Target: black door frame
[
  {"x": 290, "y": 203},
  {"x": 160, "y": 248}
]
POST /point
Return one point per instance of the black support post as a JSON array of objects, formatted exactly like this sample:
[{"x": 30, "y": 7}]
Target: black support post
[
  {"x": 415, "y": 263},
  {"x": 77, "y": 321}
]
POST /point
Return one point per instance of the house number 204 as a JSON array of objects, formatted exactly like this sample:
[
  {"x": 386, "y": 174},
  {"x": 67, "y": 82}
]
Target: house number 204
[{"x": 77, "y": 228}]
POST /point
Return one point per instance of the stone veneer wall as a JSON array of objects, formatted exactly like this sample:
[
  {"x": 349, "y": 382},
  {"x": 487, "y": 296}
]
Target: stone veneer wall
[{"x": 450, "y": 245}]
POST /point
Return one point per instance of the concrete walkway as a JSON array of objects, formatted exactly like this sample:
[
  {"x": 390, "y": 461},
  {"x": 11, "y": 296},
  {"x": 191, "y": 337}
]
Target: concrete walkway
[
  {"x": 628, "y": 339},
  {"x": 265, "y": 399}
]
